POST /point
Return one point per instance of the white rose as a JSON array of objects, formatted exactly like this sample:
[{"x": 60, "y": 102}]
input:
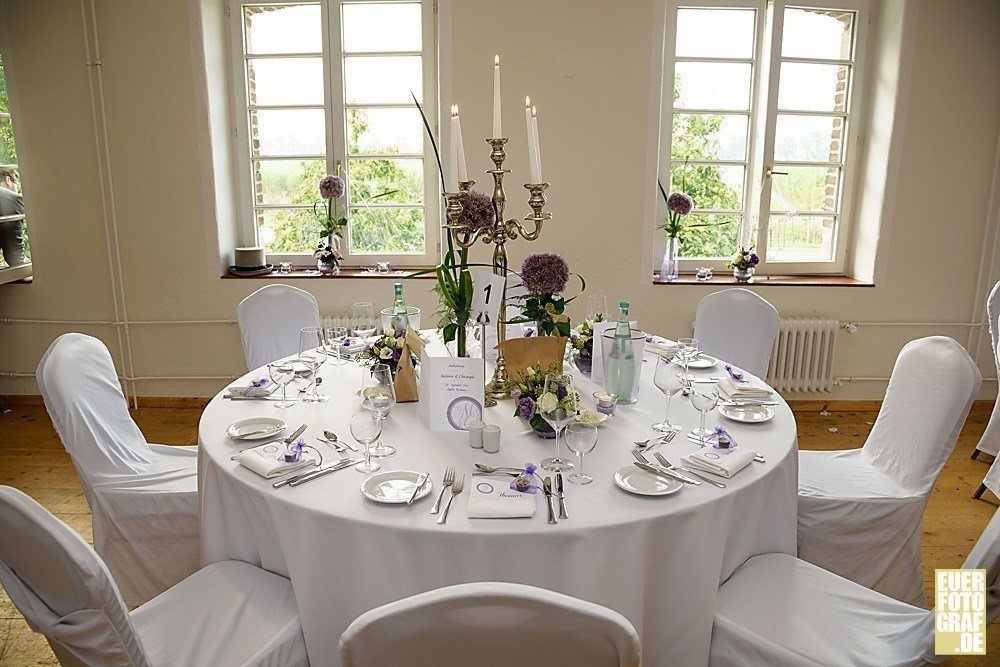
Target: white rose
[
  {"x": 385, "y": 353},
  {"x": 547, "y": 402},
  {"x": 400, "y": 341}
]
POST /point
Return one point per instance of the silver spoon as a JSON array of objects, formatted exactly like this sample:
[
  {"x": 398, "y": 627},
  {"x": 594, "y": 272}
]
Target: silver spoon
[
  {"x": 331, "y": 437},
  {"x": 486, "y": 468}
]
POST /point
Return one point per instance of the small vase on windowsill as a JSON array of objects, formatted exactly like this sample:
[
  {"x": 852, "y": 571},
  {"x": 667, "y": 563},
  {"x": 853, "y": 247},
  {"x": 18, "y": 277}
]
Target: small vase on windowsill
[
  {"x": 670, "y": 267},
  {"x": 743, "y": 275}
]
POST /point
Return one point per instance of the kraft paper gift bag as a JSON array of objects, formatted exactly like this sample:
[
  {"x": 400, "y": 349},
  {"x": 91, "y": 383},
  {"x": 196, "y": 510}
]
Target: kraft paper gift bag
[
  {"x": 406, "y": 376},
  {"x": 520, "y": 353}
]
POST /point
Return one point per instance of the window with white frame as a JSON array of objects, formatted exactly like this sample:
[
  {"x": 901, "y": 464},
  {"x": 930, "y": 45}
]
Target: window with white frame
[
  {"x": 15, "y": 253},
  {"x": 758, "y": 127},
  {"x": 325, "y": 87}
]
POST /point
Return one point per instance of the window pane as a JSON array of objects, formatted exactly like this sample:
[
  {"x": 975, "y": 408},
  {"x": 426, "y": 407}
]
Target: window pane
[
  {"x": 384, "y": 131},
  {"x": 288, "y": 181},
  {"x": 717, "y": 239},
  {"x": 387, "y": 230},
  {"x": 285, "y": 81},
  {"x": 8, "y": 154},
  {"x": 709, "y": 137},
  {"x": 283, "y": 29},
  {"x": 382, "y": 27},
  {"x": 720, "y": 33},
  {"x": 288, "y": 132},
  {"x": 288, "y": 230},
  {"x": 712, "y": 187},
  {"x": 712, "y": 86},
  {"x": 369, "y": 178},
  {"x": 389, "y": 79},
  {"x": 808, "y": 138},
  {"x": 817, "y": 33},
  {"x": 809, "y": 87},
  {"x": 800, "y": 238},
  {"x": 804, "y": 189}
]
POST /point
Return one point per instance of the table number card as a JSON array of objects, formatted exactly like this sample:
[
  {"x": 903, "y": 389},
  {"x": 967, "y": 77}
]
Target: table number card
[
  {"x": 486, "y": 296},
  {"x": 451, "y": 392}
]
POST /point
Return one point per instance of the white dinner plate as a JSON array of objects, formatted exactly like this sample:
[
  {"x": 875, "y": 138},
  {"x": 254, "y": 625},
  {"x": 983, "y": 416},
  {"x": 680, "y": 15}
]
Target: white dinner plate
[
  {"x": 748, "y": 414},
  {"x": 271, "y": 426},
  {"x": 642, "y": 483},
  {"x": 394, "y": 487},
  {"x": 701, "y": 362}
]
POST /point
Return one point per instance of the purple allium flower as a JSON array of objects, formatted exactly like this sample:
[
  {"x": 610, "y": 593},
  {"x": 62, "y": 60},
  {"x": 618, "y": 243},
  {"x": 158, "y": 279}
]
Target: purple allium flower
[
  {"x": 331, "y": 187},
  {"x": 477, "y": 211},
  {"x": 526, "y": 408},
  {"x": 545, "y": 273},
  {"x": 679, "y": 203}
]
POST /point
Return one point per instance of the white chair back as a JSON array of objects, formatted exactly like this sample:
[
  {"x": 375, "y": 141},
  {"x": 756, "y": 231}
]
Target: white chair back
[
  {"x": 985, "y": 555},
  {"x": 270, "y": 320},
  {"x": 488, "y": 624},
  {"x": 62, "y": 587},
  {"x": 738, "y": 327},
  {"x": 928, "y": 398},
  {"x": 990, "y": 442},
  {"x": 88, "y": 409}
]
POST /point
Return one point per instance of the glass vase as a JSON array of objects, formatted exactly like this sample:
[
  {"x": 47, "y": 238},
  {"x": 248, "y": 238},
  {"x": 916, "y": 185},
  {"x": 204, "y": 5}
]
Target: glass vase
[
  {"x": 743, "y": 275},
  {"x": 670, "y": 268}
]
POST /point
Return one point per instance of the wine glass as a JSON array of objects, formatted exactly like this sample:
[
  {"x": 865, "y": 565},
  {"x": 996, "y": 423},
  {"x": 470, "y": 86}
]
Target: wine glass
[
  {"x": 557, "y": 405},
  {"x": 378, "y": 398},
  {"x": 281, "y": 373},
  {"x": 363, "y": 319},
  {"x": 704, "y": 401},
  {"x": 597, "y": 308},
  {"x": 312, "y": 355},
  {"x": 581, "y": 439},
  {"x": 669, "y": 381},
  {"x": 366, "y": 429},
  {"x": 335, "y": 337},
  {"x": 687, "y": 349}
]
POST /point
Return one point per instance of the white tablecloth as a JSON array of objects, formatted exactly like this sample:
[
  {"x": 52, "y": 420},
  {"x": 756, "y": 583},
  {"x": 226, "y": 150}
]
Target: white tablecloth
[{"x": 658, "y": 561}]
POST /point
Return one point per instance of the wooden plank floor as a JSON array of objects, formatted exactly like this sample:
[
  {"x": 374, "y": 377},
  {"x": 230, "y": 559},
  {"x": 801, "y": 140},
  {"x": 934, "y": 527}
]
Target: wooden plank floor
[{"x": 33, "y": 460}]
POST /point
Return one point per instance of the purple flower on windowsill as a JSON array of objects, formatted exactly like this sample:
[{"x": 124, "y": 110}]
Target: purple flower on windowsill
[
  {"x": 526, "y": 408},
  {"x": 331, "y": 187},
  {"x": 525, "y": 482},
  {"x": 679, "y": 203}
]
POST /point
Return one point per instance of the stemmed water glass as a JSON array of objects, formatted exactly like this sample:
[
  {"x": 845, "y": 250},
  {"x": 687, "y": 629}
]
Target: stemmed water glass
[
  {"x": 557, "y": 405},
  {"x": 363, "y": 319},
  {"x": 670, "y": 382},
  {"x": 687, "y": 349},
  {"x": 366, "y": 429},
  {"x": 312, "y": 355},
  {"x": 281, "y": 373},
  {"x": 704, "y": 401},
  {"x": 581, "y": 439},
  {"x": 335, "y": 337},
  {"x": 378, "y": 398},
  {"x": 597, "y": 308}
]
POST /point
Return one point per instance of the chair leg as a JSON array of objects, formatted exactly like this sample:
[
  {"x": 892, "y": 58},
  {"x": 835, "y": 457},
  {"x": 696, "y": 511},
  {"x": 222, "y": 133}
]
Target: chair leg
[
  {"x": 975, "y": 454},
  {"x": 979, "y": 492}
]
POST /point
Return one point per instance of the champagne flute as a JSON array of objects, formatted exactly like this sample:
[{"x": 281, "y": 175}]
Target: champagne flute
[
  {"x": 557, "y": 405},
  {"x": 378, "y": 398},
  {"x": 312, "y": 355},
  {"x": 687, "y": 349},
  {"x": 704, "y": 401},
  {"x": 366, "y": 429},
  {"x": 363, "y": 318},
  {"x": 669, "y": 382},
  {"x": 281, "y": 373},
  {"x": 336, "y": 337},
  {"x": 597, "y": 308},
  {"x": 581, "y": 439}
]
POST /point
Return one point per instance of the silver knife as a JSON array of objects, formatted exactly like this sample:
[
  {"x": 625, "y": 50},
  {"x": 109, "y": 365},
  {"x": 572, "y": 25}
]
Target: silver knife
[
  {"x": 299, "y": 431},
  {"x": 561, "y": 496},
  {"x": 420, "y": 482},
  {"x": 302, "y": 479},
  {"x": 663, "y": 472},
  {"x": 666, "y": 464},
  {"x": 283, "y": 482},
  {"x": 547, "y": 488}
]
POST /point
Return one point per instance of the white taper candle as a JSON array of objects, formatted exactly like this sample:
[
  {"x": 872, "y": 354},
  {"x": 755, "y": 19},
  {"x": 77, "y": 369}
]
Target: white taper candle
[
  {"x": 453, "y": 162},
  {"x": 497, "y": 125},
  {"x": 532, "y": 148},
  {"x": 463, "y": 172},
  {"x": 538, "y": 148}
]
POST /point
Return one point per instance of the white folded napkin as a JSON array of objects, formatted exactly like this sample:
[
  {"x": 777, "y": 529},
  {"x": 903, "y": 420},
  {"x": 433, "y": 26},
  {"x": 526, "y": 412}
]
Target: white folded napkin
[
  {"x": 492, "y": 498},
  {"x": 268, "y": 460},
  {"x": 661, "y": 345},
  {"x": 724, "y": 464},
  {"x": 252, "y": 391},
  {"x": 743, "y": 389}
]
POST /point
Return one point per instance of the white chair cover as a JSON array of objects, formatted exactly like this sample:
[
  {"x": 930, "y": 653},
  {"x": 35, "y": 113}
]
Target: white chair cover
[
  {"x": 860, "y": 510},
  {"x": 230, "y": 613},
  {"x": 992, "y": 479},
  {"x": 492, "y": 624},
  {"x": 778, "y": 610},
  {"x": 990, "y": 442},
  {"x": 143, "y": 497},
  {"x": 738, "y": 326},
  {"x": 270, "y": 320}
]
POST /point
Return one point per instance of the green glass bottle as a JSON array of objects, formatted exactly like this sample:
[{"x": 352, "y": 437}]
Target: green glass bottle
[
  {"x": 619, "y": 376},
  {"x": 400, "y": 315}
]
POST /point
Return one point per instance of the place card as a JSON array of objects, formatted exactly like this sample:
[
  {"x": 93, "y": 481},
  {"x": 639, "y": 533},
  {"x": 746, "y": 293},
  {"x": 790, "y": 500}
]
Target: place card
[
  {"x": 492, "y": 498},
  {"x": 452, "y": 392}
]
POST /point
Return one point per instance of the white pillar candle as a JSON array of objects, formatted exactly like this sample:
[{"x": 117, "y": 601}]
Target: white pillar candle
[
  {"x": 463, "y": 172},
  {"x": 497, "y": 125},
  {"x": 453, "y": 162},
  {"x": 491, "y": 439},
  {"x": 532, "y": 149},
  {"x": 476, "y": 434},
  {"x": 538, "y": 150}
]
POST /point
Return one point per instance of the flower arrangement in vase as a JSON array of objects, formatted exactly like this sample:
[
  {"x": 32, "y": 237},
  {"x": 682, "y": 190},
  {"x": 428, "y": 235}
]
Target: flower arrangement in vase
[
  {"x": 545, "y": 276},
  {"x": 333, "y": 221},
  {"x": 582, "y": 340},
  {"x": 386, "y": 349},
  {"x": 679, "y": 205},
  {"x": 743, "y": 264},
  {"x": 527, "y": 390}
]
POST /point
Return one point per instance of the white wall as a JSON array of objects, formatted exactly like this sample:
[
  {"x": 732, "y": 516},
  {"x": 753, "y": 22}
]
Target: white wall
[{"x": 586, "y": 66}]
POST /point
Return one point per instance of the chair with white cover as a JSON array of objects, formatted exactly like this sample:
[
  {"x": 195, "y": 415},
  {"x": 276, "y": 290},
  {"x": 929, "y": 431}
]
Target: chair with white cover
[
  {"x": 270, "y": 320},
  {"x": 490, "y": 624},
  {"x": 780, "y": 611},
  {"x": 990, "y": 442},
  {"x": 991, "y": 481},
  {"x": 739, "y": 327},
  {"x": 229, "y": 613},
  {"x": 860, "y": 509},
  {"x": 143, "y": 497}
]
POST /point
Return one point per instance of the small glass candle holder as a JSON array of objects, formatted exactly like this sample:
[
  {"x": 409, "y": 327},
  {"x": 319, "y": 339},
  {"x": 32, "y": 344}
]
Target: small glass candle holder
[
  {"x": 284, "y": 268},
  {"x": 605, "y": 403},
  {"x": 383, "y": 267},
  {"x": 704, "y": 274}
]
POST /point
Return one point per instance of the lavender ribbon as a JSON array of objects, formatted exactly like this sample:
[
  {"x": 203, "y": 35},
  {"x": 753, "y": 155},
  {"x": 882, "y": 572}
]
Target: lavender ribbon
[{"x": 735, "y": 374}]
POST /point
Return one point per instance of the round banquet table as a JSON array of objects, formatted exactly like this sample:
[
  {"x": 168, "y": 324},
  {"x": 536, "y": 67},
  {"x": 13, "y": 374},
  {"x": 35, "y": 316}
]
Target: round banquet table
[{"x": 657, "y": 560}]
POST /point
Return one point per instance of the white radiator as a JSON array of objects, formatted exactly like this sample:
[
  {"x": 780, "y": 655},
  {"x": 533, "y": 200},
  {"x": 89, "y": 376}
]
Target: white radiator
[{"x": 802, "y": 358}]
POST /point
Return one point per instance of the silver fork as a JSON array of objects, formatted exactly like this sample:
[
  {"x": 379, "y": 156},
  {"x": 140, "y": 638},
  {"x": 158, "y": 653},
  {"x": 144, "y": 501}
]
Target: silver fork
[
  {"x": 456, "y": 489},
  {"x": 448, "y": 480}
]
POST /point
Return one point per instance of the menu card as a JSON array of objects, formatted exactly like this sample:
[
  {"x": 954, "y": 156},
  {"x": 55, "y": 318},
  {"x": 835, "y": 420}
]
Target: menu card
[{"x": 452, "y": 392}]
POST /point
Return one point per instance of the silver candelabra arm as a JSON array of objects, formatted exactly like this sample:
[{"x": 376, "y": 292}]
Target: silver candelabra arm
[{"x": 537, "y": 202}]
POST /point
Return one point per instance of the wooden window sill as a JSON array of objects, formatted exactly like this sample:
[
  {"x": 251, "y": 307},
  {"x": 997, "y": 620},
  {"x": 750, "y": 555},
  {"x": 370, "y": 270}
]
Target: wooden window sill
[
  {"x": 768, "y": 281},
  {"x": 300, "y": 273}
]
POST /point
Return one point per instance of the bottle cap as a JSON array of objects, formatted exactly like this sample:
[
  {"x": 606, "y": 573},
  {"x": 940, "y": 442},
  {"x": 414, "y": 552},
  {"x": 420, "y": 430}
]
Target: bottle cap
[{"x": 623, "y": 304}]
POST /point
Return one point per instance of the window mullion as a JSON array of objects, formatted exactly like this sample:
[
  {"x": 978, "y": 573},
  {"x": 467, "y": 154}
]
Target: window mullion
[{"x": 336, "y": 140}]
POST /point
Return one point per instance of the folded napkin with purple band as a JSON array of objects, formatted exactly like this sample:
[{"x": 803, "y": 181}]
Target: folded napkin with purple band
[
  {"x": 268, "y": 460},
  {"x": 258, "y": 388},
  {"x": 719, "y": 462},
  {"x": 492, "y": 498},
  {"x": 744, "y": 390}
]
